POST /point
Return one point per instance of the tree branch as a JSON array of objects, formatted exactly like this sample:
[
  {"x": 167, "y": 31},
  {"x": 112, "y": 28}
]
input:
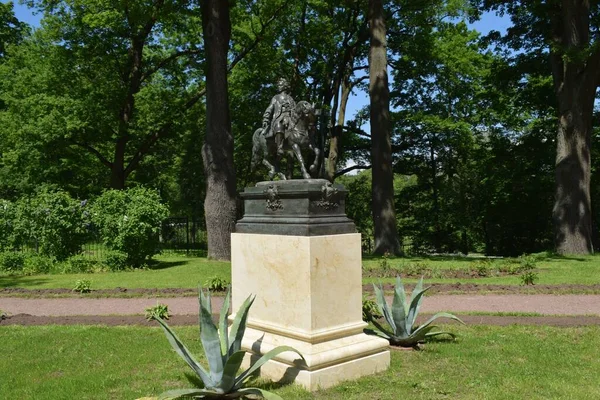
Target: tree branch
[
  {"x": 358, "y": 131},
  {"x": 167, "y": 60},
  {"x": 93, "y": 151},
  {"x": 154, "y": 137},
  {"x": 352, "y": 168},
  {"x": 592, "y": 69},
  {"x": 259, "y": 36}
]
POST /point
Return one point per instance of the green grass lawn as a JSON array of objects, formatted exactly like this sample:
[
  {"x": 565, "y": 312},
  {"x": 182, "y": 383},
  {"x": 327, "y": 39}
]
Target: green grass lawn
[
  {"x": 169, "y": 272},
  {"x": 188, "y": 272},
  {"x": 551, "y": 270},
  {"x": 518, "y": 362}
]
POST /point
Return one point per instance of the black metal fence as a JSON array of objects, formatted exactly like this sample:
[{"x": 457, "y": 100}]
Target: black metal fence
[
  {"x": 179, "y": 235},
  {"x": 183, "y": 235}
]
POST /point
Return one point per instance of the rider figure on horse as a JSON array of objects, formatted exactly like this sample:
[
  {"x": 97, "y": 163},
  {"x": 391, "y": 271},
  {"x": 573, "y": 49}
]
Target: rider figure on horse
[{"x": 279, "y": 115}]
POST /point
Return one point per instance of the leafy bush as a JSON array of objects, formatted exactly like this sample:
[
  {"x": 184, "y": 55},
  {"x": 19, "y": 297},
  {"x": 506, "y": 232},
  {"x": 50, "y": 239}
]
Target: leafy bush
[
  {"x": 129, "y": 221},
  {"x": 402, "y": 315},
  {"x": 527, "y": 263},
  {"x": 483, "y": 268},
  {"x": 82, "y": 286},
  {"x": 12, "y": 262},
  {"x": 7, "y": 221},
  {"x": 369, "y": 310},
  {"x": 216, "y": 284},
  {"x": 223, "y": 353},
  {"x": 79, "y": 264},
  {"x": 158, "y": 311},
  {"x": 54, "y": 221},
  {"x": 38, "y": 264},
  {"x": 116, "y": 260}
]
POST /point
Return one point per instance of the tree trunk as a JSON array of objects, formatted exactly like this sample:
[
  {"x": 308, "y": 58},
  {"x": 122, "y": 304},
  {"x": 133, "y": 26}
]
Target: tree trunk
[
  {"x": 335, "y": 141},
  {"x": 117, "y": 178},
  {"x": 575, "y": 81},
  {"x": 217, "y": 151},
  {"x": 572, "y": 207},
  {"x": 384, "y": 212},
  {"x": 437, "y": 234}
]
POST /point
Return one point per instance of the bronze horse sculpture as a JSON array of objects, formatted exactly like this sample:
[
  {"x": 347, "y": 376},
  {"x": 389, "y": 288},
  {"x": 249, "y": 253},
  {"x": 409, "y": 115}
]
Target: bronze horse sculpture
[{"x": 298, "y": 137}]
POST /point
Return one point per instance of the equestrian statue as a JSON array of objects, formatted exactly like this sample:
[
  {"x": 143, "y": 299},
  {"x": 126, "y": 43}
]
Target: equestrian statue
[{"x": 288, "y": 128}]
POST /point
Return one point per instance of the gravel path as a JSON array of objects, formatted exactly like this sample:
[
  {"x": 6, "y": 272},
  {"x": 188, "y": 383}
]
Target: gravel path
[{"x": 542, "y": 304}]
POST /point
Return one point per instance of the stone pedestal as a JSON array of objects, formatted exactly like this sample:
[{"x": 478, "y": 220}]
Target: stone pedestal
[{"x": 307, "y": 278}]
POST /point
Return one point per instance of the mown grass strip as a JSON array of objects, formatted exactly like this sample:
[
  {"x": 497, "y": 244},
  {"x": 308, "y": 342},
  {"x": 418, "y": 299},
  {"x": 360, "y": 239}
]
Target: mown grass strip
[
  {"x": 188, "y": 272},
  {"x": 503, "y": 363}
]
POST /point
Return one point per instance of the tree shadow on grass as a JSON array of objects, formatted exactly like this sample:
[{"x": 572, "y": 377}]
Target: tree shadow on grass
[
  {"x": 421, "y": 258},
  {"x": 559, "y": 257},
  {"x": 156, "y": 265},
  {"x": 11, "y": 281}
]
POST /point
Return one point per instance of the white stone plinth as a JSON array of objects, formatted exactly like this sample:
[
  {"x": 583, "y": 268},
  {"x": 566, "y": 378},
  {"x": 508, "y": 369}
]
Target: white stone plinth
[{"x": 308, "y": 296}]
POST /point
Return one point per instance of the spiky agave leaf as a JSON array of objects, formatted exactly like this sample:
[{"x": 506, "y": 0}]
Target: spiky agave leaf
[
  {"x": 239, "y": 381},
  {"x": 187, "y": 393},
  {"x": 238, "y": 327},
  {"x": 230, "y": 370},
  {"x": 399, "y": 309},
  {"x": 209, "y": 336},
  {"x": 260, "y": 392},
  {"x": 184, "y": 353},
  {"x": 378, "y": 332},
  {"x": 384, "y": 309},
  {"x": 436, "y": 316},
  {"x": 415, "y": 304},
  {"x": 223, "y": 324}
]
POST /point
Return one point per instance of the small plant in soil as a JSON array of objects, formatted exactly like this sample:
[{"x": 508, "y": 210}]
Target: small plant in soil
[
  {"x": 385, "y": 267},
  {"x": 222, "y": 347},
  {"x": 527, "y": 267},
  {"x": 216, "y": 284},
  {"x": 482, "y": 268},
  {"x": 83, "y": 286},
  {"x": 2, "y": 315},
  {"x": 159, "y": 310},
  {"x": 401, "y": 317},
  {"x": 529, "y": 277},
  {"x": 369, "y": 310}
]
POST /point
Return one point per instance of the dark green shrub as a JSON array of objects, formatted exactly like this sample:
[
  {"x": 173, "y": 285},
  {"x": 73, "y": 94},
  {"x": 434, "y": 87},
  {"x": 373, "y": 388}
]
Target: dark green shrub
[
  {"x": 80, "y": 264},
  {"x": 116, "y": 260},
  {"x": 38, "y": 264},
  {"x": 7, "y": 220},
  {"x": 54, "y": 221},
  {"x": 12, "y": 262},
  {"x": 129, "y": 221}
]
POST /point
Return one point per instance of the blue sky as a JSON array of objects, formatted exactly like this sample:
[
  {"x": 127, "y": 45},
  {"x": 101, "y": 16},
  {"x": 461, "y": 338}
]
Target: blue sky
[{"x": 488, "y": 22}]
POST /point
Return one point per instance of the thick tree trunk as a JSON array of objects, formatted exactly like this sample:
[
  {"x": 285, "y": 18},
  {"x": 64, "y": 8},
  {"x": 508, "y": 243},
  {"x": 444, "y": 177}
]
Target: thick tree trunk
[
  {"x": 572, "y": 208},
  {"x": 575, "y": 80},
  {"x": 217, "y": 151},
  {"x": 384, "y": 212}
]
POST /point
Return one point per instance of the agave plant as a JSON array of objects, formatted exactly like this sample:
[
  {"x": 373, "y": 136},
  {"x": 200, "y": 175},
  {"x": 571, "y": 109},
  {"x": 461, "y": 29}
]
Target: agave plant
[
  {"x": 402, "y": 315},
  {"x": 223, "y": 353}
]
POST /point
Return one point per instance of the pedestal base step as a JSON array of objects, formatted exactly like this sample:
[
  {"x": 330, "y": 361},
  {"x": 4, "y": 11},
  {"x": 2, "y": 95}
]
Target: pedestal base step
[{"x": 326, "y": 363}]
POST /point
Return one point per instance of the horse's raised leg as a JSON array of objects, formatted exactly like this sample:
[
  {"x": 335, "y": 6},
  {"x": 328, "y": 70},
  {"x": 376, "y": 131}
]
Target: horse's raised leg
[
  {"x": 315, "y": 165},
  {"x": 298, "y": 154},
  {"x": 270, "y": 167},
  {"x": 289, "y": 174}
]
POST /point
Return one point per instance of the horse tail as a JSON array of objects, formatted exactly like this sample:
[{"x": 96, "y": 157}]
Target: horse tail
[{"x": 257, "y": 151}]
